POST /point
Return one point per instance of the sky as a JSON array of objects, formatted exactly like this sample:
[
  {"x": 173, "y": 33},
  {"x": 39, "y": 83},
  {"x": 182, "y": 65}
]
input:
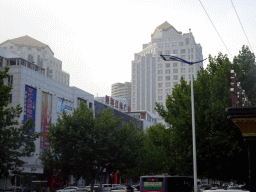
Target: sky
[{"x": 96, "y": 39}]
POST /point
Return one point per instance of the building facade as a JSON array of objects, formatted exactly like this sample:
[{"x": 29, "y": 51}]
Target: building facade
[
  {"x": 38, "y": 53},
  {"x": 122, "y": 90},
  {"x": 152, "y": 77},
  {"x": 42, "y": 98}
]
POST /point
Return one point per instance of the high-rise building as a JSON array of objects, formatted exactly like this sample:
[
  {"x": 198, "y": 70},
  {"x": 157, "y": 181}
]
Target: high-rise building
[
  {"x": 152, "y": 77},
  {"x": 122, "y": 90},
  {"x": 38, "y": 53}
]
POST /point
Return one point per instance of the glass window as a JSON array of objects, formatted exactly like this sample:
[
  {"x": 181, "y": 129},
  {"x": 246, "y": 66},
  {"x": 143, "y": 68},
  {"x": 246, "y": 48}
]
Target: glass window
[
  {"x": 159, "y": 59},
  {"x": 175, "y": 70},
  {"x": 167, "y": 71},
  {"x": 10, "y": 80},
  {"x": 160, "y": 98},
  {"x": 191, "y": 50},
  {"x": 160, "y": 45},
  {"x": 175, "y": 64},
  {"x": 183, "y": 70},
  {"x": 160, "y": 78},
  {"x": 184, "y": 76},
  {"x": 190, "y": 69},
  {"x": 167, "y": 52},
  {"x": 175, "y": 77},
  {"x": 167, "y": 78},
  {"x": 11, "y": 47},
  {"x": 174, "y": 44},
  {"x": 167, "y": 65},
  {"x": 168, "y": 91},
  {"x": 159, "y": 52},
  {"x": 188, "y": 50},
  {"x": 192, "y": 57},
  {"x": 175, "y": 51},
  {"x": 187, "y": 41},
  {"x": 160, "y": 84},
  {"x": 175, "y": 83},
  {"x": 189, "y": 76},
  {"x": 160, "y": 91},
  {"x": 39, "y": 50},
  {"x": 10, "y": 98},
  {"x": 160, "y": 72},
  {"x": 183, "y": 56},
  {"x": 180, "y": 43},
  {"x": 168, "y": 84},
  {"x": 182, "y": 64},
  {"x": 167, "y": 44},
  {"x": 183, "y": 51},
  {"x": 160, "y": 65}
]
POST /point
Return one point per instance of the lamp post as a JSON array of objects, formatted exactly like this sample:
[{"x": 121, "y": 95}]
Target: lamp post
[{"x": 175, "y": 58}]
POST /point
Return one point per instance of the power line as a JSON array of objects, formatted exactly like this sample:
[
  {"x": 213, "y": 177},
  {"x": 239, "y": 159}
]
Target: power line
[
  {"x": 241, "y": 25},
  {"x": 216, "y": 29}
]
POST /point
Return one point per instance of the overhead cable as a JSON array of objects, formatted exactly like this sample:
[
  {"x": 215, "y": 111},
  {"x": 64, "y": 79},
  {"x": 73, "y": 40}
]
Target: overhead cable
[
  {"x": 242, "y": 26},
  {"x": 216, "y": 29}
]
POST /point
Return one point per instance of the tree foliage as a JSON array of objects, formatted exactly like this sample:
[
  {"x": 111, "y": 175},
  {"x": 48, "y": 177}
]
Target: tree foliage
[
  {"x": 16, "y": 140},
  {"x": 245, "y": 68},
  {"x": 220, "y": 149},
  {"x": 82, "y": 145}
]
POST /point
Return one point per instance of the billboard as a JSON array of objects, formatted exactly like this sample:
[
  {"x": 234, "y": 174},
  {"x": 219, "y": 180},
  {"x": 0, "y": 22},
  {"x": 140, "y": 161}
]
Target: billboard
[
  {"x": 46, "y": 117},
  {"x": 62, "y": 105},
  {"x": 30, "y": 104}
]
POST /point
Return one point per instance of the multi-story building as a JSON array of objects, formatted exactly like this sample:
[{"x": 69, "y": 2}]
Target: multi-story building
[
  {"x": 122, "y": 90},
  {"x": 152, "y": 77},
  {"x": 42, "y": 98},
  {"x": 38, "y": 53}
]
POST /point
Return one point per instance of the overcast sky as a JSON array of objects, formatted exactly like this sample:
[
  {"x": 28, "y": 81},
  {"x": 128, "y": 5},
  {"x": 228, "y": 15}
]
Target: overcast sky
[{"x": 96, "y": 39}]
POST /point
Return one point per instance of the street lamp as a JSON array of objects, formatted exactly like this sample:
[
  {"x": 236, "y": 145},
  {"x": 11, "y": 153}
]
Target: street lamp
[{"x": 175, "y": 58}]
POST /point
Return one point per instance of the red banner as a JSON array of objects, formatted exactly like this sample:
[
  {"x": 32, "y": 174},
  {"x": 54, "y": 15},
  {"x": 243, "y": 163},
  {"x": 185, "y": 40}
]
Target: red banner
[
  {"x": 121, "y": 105},
  {"x": 129, "y": 109},
  {"x": 112, "y": 101},
  {"x": 124, "y": 106},
  {"x": 116, "y": 104},
  {"x": 107, "y": 99}
]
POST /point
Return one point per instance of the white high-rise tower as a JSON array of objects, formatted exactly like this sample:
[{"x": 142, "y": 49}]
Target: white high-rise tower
[{"x": 152, "y": 78}]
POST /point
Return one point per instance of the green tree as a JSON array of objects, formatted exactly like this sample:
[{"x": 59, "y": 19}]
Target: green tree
[
  {"x": 245, "y": 69},
  {"x": 221, "y": 152},
  {"x": 82, "y": 145},
  {"x": 16, "y": 140}
]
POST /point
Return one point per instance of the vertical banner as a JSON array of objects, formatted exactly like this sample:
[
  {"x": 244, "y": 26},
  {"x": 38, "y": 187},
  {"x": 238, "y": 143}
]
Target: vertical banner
[
  {"x": 112, "y": 101},
  {"x": 107, "y": 99},
  {"x": 129, "y": 109},
  {"x": 121, "y": 106},
  {"x": 46, "y": 117},
  {"x": 116, "y": 104},
  {"x": 30, "y": 105},
  {"x": 124, "y": 107}
]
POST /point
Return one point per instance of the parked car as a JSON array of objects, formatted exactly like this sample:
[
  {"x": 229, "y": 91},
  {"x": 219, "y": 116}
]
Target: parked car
[
  {"x": 68, "y": 189},
  {"x": 119, "y": 188},
  {"x": 204, "y": 187}
]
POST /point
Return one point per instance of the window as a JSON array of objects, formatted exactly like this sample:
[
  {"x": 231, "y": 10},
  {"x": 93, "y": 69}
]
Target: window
[
  {"x": 190, "y": 69},
  {"x": 160, "y": 65},
  {"x": 168, "y": 91},
  {"x": 192, "y": 57},
  {"x": 175, "y": 77},
  {"x": 133, "y": 70},
  {"x": 133, "y": 88},
  {"x": 183, "y": 51},
  {"x": 19, "y": 47},
  {"x": 180, "y": 43},
  {"x": 191, "y": 50},
  {"x": 175, "y": 70},
  {"x": 160, "y": 84},
  {"x": 175, "y": 83},
  {"x": 183, "y": 56},
  {"x": 159, "y": 59},
  {"x": 175, "y": 51},
  {"x": 174, "y": 44},
  {"x": 182, "y": 64},
  {"x": 160, "y": 91},
  {"x": 187, "y": 41},
  {"x": 11, "y": 47},
  {"x": 90, "y": 105},
  {"x": 160, "y": 72},
  {"x": 167, "y": 44},
  {"x": 10, "y": 80},
  {"x": 10, "y": 98},
  {"x": 175, "y": 64},
  {"x": 160, "y": 45},
  {"x": 167, "y": 84},
  {"x": 160, "y": 103},
  {"x": 167, "y": 52},
  {"x": 160, "y": 98},
  {"x": 183, "y": 70},
  {"x": 5, "y": 47},
  {"x": 159, "y": 52},
  {"x": 184, "y": 76},
  {"x": 167, "y": 65},
  {"x": 167, "y": 78},
  {"x": 189, "y": 76},
  {"x": 167, "y": 71},
  {"x": 160, "y": 78},
  {"x": 29, "y": 48}
]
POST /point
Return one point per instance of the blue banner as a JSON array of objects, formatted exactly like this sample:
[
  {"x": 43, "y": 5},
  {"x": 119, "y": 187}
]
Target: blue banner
[{"x": 30, "y": 104}]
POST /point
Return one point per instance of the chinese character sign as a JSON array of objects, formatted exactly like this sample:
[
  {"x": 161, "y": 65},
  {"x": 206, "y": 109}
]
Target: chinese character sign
[
  {"x": 30, "y": 104},
  {"x": 116, "y": 104},
  {"x": 62, "y": 105},
  {"x": 121, "y": 106},
  {"x": 107, "y": 99},
  {"x": 112, "y": 101},
  {"x": 46, "y": 117}
]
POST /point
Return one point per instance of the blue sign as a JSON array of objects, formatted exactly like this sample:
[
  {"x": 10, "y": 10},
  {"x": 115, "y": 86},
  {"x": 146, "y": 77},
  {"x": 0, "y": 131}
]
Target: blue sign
[{"x": 30, "y": 105}]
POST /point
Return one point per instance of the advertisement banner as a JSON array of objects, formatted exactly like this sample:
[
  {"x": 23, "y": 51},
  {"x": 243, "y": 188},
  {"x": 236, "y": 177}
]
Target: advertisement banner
[
  {"x": 62, "y": 105},
  {"x": 46, "y": 117},
  {"x": 30, "y": 105}
]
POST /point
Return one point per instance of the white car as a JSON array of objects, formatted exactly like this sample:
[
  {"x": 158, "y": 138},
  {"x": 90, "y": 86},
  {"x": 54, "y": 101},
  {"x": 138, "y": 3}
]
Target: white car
[{"x": 68, "y": 189}]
